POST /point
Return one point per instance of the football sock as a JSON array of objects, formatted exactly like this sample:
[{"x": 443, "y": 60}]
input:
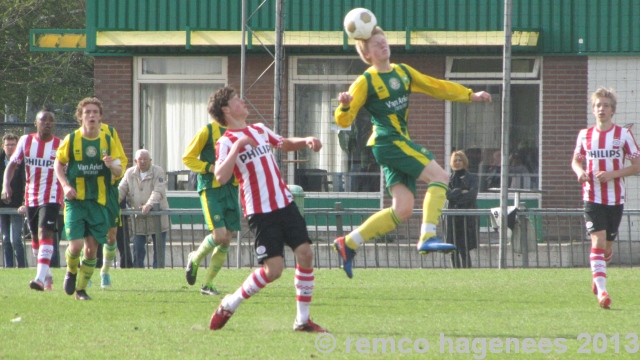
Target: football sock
[
  {"x": 378, "y": 224},
  {"x": 598, "y": 269},
  {"x": 432, "y": 208},
  {"x": 205, "y": 248},
  {"x": 44, "y": 259},
  {"x": 303, "y": 281},
  {"x": 217, "y": 260},
  {"x": 109, "y": 254},
  {"x": 254, "y": 283},
  {"x": 86, "y": 270},
  {"x": 34, "y": 248},
  {"x": 72, "y": 261}
]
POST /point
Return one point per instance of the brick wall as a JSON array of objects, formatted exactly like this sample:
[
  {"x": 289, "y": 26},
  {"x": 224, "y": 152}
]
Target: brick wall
[
  {"x": 564, "y": 113},
  {"x": 114, "y": 86}
]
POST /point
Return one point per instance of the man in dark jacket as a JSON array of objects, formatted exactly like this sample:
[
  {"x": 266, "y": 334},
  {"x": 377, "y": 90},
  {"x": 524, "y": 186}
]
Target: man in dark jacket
[{"x": 11, "y": 224}]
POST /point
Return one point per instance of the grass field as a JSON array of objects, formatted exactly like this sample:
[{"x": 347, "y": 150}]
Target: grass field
[{"x": 462, "y": 314}]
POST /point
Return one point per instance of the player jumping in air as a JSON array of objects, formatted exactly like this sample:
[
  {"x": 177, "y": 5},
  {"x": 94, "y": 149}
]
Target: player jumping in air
[{"x": 384, "y": 91}]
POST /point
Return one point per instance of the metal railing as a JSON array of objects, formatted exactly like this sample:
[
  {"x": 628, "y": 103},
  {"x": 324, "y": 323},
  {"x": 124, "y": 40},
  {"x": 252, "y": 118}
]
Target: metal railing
[{"x": 541, "y": 238}]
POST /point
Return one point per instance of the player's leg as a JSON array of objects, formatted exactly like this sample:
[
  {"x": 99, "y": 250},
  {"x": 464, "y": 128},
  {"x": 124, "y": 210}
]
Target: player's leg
[
  {"x": 87, "y": 267},
  {"x": 296, "y": 237},
  {"x": 598, "y": 222},
  {"x": 218, "y": 256},
  {"x": 434, "y": 200},
  {"x": 109, "y": 254},
  {"x": 269, "y": 251},
  {"x": 7, "y": 247}
]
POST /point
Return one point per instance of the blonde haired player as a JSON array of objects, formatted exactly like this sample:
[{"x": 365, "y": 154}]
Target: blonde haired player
[
  {"x": 604, "y": 147},
  {"x": 384, "y": 90}
]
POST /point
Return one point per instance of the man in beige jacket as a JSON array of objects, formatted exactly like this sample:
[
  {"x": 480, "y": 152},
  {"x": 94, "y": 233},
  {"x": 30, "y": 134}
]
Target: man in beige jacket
[{"x": 143, "y": 186}]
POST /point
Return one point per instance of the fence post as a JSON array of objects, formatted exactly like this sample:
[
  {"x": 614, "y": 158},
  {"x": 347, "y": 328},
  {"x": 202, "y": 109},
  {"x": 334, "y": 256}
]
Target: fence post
[
  {"x": 522, "y": 227},
  {"x": 339, "y": 228},
  {"x": 159, "y": 240}
]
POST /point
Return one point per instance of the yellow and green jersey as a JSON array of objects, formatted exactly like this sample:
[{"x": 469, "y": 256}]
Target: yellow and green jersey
[
  {"x": 201, "y": 154},
  {"x": 111, "y": 131},
  {"x": 386, "y": 96},
  {"x": 86, "y": 172}
]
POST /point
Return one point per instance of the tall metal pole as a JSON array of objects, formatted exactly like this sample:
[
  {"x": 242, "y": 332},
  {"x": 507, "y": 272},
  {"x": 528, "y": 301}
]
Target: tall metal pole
[
  {"x": 277, "y": 74},
  {"x": 243, "y": 46},
  {"x": 506, "y": 122}
]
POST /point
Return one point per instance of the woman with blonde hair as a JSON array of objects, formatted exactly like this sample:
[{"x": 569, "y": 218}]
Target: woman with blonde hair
[{"x": 463, "y": 191}]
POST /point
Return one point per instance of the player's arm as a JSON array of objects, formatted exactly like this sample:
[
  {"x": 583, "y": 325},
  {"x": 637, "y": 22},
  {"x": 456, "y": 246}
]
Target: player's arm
[
  {"x": 443, "y": 89},
  {"x": 112, "y": 160},
  {"x": 351, "y": 102},
  {"x": 58, "y": 168},
  {"x": 123, "y": 157},
  {"x": 191, "y": 155},
  {"x": 633, "y": 169},
  {"x": 297, "y": 143},
  {"x": 227, "y": 159},
  {"x": 578, "y": 168}
]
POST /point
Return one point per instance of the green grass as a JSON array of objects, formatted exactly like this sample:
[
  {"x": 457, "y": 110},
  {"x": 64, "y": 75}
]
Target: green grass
[{"x": 153, "y": 314}]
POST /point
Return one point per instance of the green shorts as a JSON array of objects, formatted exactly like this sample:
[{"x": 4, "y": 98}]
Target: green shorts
[
  {"x": 221, "y": 208},
  {"x": 86, "y": 217},
  {"x": 113, "y": 206},
  {"x": 402, "y": 161}
]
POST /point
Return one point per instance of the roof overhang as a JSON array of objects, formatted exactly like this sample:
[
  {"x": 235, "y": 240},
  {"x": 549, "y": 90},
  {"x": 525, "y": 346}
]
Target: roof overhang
[{"x": 70, "y": 40}]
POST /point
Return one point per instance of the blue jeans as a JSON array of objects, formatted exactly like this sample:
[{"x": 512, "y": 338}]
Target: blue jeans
[
  {"x": 11, "y": 228},
  {"x": 140, "y": 251}
]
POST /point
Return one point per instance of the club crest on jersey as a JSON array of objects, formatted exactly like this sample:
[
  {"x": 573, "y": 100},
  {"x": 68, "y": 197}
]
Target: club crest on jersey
[
  {"x": 91, "y": 151},
  {"x": 216, "y": 218},
  {"x": 405, "y": 80},
  {"x": 616, "y": 143},
  {"x": 394, "y": 83}
]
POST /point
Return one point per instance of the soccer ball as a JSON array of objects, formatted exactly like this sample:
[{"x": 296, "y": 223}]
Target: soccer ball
[{"x": 359, "y": 24}]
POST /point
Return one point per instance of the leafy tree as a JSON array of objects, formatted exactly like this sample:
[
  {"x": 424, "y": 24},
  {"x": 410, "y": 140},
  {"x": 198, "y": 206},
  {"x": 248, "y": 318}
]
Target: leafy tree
[{"x": 32, "y": 80}]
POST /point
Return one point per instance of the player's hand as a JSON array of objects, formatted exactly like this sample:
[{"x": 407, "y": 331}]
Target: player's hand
[
  {"x": 22, "y": 210},
  {"x": 6, "y": 195},
  {"x": 108, "y": 160},
  {"x": 583, "y": 177},
  {"x": 313, "y": 143},
  {"x": 69, "y": 192},
  {"x": 246, "y": 140},
  {"x": 345, "y": 99},
  {"x": 604, "y": 176},
  {"x": 481, "y": 96}
]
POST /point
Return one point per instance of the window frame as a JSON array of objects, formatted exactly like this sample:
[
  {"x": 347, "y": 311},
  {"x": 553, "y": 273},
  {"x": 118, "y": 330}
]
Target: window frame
[
  {"x": 295, "y": 79},
  {"x": 496, "y": 79}
]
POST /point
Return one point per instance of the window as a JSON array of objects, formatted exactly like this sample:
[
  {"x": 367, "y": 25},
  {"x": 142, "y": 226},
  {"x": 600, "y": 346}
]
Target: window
[
  {"x": 476, "y": 128},
  {"x": 172, "y": 97},
  {"x": 345, "y": 163}
]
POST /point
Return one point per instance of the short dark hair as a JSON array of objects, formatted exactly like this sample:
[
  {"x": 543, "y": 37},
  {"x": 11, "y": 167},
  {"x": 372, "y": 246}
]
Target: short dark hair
[
  {"x": 217, "y": 100},
  {"x": 9, "y": 136},
  {"x": 45, "y": 114}
]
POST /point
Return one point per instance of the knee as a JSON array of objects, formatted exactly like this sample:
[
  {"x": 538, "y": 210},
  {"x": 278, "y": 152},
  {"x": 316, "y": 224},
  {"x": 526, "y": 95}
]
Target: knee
[
  {"x": 273, "y": 272},
  {"x": 304, "y": 256},
  {"x": 403, "y": 212}
]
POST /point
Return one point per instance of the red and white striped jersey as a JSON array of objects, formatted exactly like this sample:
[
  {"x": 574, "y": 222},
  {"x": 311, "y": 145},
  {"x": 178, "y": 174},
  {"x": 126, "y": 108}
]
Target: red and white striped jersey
[
  {"x": 262, "y": 189},
  {"x": 605, "y": 151},
  {"x": 42, "y": 186}
]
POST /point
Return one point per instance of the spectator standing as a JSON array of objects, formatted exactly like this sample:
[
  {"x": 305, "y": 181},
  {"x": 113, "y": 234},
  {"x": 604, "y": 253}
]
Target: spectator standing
[
  {"x": 143, "y": 186},
  {"x": 463, "y": 192},
  {"x": 11, "y": 224}
]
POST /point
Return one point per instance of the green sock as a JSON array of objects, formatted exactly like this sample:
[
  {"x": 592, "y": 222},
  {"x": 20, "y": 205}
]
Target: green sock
[
  {"x": 204, "y": 249},
  {"x": 86, "y": 271},
  {"x": 109, "y": 253},
  {"x": 72, "y": 261},
  {"x": 217, "y": 260}
]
